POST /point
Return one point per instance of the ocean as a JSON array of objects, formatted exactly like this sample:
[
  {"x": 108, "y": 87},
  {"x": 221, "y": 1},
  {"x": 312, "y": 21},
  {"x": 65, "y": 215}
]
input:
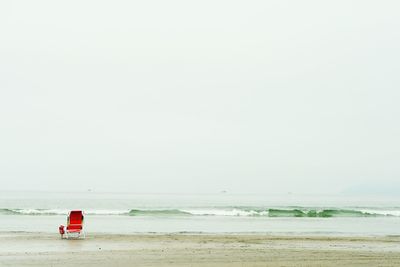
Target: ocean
[{"x": 130, "y": 213}]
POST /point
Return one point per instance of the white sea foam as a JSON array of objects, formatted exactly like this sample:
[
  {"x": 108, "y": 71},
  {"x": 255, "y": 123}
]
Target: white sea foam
[
  {"x": 382, "y": 212},
  {"x": 225, "y": 212},
  {"x": 60, "y": 212}
]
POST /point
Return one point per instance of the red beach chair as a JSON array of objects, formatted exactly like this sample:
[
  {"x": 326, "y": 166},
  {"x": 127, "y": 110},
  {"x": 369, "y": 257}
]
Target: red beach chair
[{"x": 74, "y": 225}]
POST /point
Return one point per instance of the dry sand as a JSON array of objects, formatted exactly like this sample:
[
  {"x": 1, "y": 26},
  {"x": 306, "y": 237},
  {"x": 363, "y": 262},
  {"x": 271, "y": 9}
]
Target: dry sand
[{"x": 33, "y": 249}]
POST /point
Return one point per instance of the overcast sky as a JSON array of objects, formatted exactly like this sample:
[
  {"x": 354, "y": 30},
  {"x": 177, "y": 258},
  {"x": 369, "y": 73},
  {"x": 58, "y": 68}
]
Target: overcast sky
[{"x": 199, "y": 96}]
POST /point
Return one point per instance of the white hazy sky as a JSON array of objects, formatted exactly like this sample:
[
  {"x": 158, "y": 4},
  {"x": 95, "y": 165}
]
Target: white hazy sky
[{"x": 199, "y": 96}]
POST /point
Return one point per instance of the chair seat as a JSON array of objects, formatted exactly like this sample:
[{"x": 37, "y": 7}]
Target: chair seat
[
  {"x": 73, "y": 230},
  {"x": 73, "y": 227}
]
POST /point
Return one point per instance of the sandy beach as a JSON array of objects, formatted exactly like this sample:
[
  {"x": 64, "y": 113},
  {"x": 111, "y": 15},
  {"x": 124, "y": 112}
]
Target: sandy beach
[{"x": 34, "y": 249}]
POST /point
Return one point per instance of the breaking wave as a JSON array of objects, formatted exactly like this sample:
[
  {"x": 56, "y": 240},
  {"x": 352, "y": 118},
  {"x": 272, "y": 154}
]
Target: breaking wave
[
  {"x": 172, "y": 212},
  {"x": 223, "y": 211},
  {"x": 59, "y": 212}
]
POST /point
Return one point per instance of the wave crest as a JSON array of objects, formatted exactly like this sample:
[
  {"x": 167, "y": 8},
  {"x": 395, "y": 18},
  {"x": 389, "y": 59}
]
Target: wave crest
[{"x": 221, "y": 211}]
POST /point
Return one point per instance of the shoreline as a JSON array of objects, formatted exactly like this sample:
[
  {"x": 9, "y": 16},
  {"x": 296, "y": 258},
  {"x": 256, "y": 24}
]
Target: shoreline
[{"x": 200, "y": 249}]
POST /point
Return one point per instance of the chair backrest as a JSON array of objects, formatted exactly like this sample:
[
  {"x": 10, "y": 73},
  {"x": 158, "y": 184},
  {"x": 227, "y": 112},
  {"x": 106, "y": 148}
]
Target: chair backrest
[{"x": 75, "y": 219}]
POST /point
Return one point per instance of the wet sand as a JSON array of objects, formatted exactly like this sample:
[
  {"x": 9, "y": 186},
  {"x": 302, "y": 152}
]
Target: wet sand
[{"x": 34, "y": 249}]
